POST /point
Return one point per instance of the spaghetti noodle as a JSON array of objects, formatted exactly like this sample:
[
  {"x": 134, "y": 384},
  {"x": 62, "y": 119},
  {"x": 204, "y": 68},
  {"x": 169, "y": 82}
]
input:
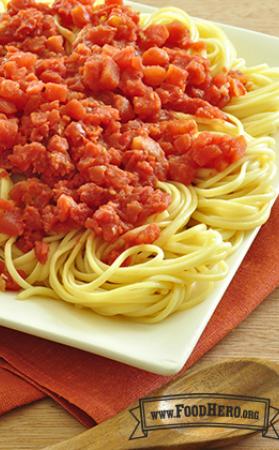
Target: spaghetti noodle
[{"x": 204, "y": 222}]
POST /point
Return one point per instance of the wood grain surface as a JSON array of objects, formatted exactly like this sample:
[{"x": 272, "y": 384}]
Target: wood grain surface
[
  {"x": 236, "y": 376},
  {"x": 44, "y": 423}
]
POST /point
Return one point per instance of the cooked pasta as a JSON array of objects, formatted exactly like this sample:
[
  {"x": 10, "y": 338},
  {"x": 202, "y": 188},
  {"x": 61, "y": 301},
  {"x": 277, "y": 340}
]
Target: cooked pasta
[{"x": 204, "y": 223}]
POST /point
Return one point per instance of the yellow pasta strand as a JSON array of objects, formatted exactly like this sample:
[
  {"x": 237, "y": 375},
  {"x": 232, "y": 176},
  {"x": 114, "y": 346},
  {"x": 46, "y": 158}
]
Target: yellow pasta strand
[{"x": 204, "y": 224}]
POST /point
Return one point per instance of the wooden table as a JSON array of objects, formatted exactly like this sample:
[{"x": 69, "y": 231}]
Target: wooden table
[{"x": 44, "y": 423}]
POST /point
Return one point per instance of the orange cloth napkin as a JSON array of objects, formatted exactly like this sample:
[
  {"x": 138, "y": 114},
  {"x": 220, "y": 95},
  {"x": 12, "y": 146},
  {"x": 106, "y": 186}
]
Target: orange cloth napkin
[{"x": 94, "y": 388}]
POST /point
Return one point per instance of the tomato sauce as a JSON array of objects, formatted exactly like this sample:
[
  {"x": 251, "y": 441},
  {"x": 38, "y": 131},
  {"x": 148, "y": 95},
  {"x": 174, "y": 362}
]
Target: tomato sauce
[{"x": 87, "y": 129}]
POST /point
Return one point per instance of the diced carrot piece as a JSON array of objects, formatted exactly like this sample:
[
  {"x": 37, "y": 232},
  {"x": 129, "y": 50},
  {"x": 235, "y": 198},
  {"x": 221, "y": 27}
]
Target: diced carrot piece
[
  {"x": 75, "y": 109},
  {"x": 55, "y": 44},
  {"x": 155, "y": 56},
  {"x": 176, "y": 76},
  {"x": 80, "y": 16},
  {"x": 154, "y": 75},
  {"x": 56, "y": 91}
]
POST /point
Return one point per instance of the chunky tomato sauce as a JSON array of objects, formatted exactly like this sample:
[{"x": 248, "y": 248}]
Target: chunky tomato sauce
[{"x": 87, "y": 124}]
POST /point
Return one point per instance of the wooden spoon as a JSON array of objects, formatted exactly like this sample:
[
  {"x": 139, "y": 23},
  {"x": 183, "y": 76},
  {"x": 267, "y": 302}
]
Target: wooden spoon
[{"x": 238, "y": 377}]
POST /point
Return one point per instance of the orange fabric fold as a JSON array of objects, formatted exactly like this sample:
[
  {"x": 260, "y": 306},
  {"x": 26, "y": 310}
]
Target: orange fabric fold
[
  {"x": 14, "y": 391},
  {"x": 93, "y": 388}
]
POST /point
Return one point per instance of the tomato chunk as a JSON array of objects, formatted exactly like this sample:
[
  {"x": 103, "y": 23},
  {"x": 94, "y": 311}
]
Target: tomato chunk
[
  {"x": 6, "y": 281},
  {"x": 178, "y": 33},
  {"x": 101, "y": 73},
  {"x": 154, "y": 35},
  {"x": 10, "y": 221},
  {"x": 41, "y": 251},
  {"x": 8, "y": 133}
]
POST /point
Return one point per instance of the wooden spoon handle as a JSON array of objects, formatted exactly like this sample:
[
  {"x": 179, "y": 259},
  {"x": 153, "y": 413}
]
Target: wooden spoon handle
[{"x": 239, "y": 377}]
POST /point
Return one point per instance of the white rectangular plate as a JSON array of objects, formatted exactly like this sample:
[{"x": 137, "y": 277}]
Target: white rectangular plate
[{"x": 162, "y": 348}]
